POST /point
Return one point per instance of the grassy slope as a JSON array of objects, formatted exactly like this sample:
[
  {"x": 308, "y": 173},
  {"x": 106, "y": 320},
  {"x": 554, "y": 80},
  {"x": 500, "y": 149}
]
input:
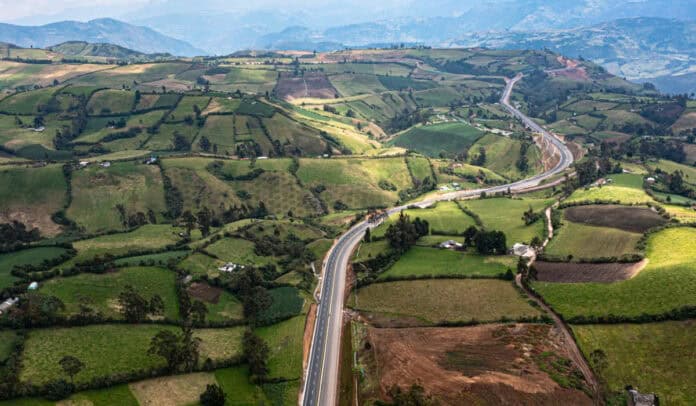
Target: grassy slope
[
  {"x": 667, "y": 282},
  {"x": 583, "y": 241},
  {"x": 506, "y": 215},
  {"x": 654, "y": 357}
]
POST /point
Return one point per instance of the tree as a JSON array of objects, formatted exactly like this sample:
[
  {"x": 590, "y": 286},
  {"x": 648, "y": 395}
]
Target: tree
[
  {"x": 204, "y": 143},
  {"x": 480, "y": 159},
  {"x": 189, "y": 222},
  {"x": 415, "y": 396},
  {"x": 536, "y": 242},
  {"x": 255, "y": 352},
  {"x": 470, "y": 235},
  {"x": 676, "y": 182},
  {"x": 166, "y": 345},
  {"x": 156, "y": 305},
  {"x": 213, "y": 396},
  {"x": 58, "y": 390},
  {"x": 255, "y": 302},
  {"x": 402, "y": 234},
  {"x": 133, "y": 306},
  {"x": 491, "y": 243},
  {"x": 204, "y": 219},
  {"x": 180, "y": 142},
  {"x": 368, "y": 236},
  {"x": 71, "y": 366},
  {"x": 199, "y": 310},
  {"x": 598, "y": 359}
]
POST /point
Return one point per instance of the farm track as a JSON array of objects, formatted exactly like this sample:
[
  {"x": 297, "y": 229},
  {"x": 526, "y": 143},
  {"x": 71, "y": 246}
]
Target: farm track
[
  {"x": 572, "y": 346},
  {"x": 320, "y": 384}
]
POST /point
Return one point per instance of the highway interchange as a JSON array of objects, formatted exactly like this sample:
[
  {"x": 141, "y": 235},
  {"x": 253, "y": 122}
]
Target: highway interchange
[{"x": 321, "y": 378}]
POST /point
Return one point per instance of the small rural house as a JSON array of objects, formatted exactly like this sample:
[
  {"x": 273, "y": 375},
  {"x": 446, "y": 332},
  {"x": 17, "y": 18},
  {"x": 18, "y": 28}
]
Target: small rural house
[
  {"x": 105, "y": 164},
  {"x": 230, "y": 267},
  {"x": 636, "y": 398},
  {"x": 450, "y": 245},
  {"x": 33, "y": 286},
  {"x": 5, "y": 306},
  {"x": 522, "y": 250},
  {"x": 650, "y": 180},
  {"x": 84, "y": 164}
]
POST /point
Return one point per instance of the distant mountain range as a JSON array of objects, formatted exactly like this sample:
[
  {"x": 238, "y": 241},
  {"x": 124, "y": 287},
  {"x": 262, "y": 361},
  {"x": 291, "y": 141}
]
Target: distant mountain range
[{"x": 106, "y": 30}]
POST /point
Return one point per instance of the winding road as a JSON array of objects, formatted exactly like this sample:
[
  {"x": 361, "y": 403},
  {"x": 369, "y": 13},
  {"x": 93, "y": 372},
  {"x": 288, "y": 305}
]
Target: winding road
[{"x": 321, "y": 378}]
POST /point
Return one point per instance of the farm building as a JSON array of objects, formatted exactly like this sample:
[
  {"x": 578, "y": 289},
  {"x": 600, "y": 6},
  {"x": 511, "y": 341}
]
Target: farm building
[
  {"x": 450, "y": 244},
  {"x": 636, "y": 398},
  {"x": 33, "y": 286},
  {"x": 522, "y": 250},
  {"x": 105, "y": 164},
  {"x": 230, "y": 267},
  {"x": 5, "y": 306}
]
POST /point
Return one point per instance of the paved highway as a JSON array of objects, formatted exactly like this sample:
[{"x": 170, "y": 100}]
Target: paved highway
[{"x": 321, "y": 378}]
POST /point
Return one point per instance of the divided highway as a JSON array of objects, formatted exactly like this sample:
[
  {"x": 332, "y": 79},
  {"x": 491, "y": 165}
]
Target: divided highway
[{"x": 321, "y": 377}]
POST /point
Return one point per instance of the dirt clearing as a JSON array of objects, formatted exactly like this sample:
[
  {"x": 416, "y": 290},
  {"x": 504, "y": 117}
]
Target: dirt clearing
[
  {"x": 204, "y": 292},
  {"x": 172, "y": 390},
  {"x": 633, "y": 219},
  {"x": 564, "y": 272},
  {"x": 314, "y": 85},
  {"x": 489, "y": 364}
]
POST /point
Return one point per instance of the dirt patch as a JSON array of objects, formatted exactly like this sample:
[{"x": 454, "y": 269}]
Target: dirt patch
[
  {"x": 172, "y": 390},
  {"x": 33, "y": 217},
  {"x": 169, "y": 84},
  {"x": 564, "y": 272},
  {"x": 572, "y": 70},
  {"x": 204, "y": 292},
  {"x": 577, "y": 150},
  {"x": 313, "y": 84},
  {"x": 308, "y": 333},
  {"x": 490, "y": 364},
  {"x": 633, "y": 219}
]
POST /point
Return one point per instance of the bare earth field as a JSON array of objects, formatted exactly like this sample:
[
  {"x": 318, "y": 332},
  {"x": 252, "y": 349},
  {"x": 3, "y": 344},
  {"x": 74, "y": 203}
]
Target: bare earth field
[
  {"x": 488, "y": 364},
  {"x": 314, "y": 85},
  {"x": 633, "y": 219},
  {"x": 568, "y": 272}
]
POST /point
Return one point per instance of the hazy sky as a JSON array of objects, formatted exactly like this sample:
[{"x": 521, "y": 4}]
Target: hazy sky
[{"x": 44, "y": 11}]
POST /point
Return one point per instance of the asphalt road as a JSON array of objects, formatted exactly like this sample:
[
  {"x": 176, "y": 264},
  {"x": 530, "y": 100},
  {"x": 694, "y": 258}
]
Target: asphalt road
[{"x": 321, "y": 378}]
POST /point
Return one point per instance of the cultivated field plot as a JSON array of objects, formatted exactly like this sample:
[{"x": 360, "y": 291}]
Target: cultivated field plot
[
  {"x": 121, "y": 76},
  {"x": 111, "y": 102},
  {"x": 310, "y": 84},
  {"x": 105, "y": 198},
  {"x": 569, "y": 272},
  {"x": 108, "y": 349},
  {"x": 425, "y": 261},
  {"x": 349, "y": 84},
  {"x": 297, "y": 136},
  {"x": 239, "y": 251},
  {"x": 667, "y": 282},
  {"x": 438, "y": 139},
  {"x": 689, "y": 172},
  {"x": 100, "y": 291},
  {"x": 187, "y": 107},
  {"x": 147, "y": 237},
  {"x": 221, "y": 304},
  {"x": 285, "y": 342},
  {"x": 200, "y": 264},
  {"x": 26, "y": 102},
  {"x": 219, "y": 130},
  {"x": 506, "y": 215},
  {"x": 16, "y": 74},
  {"x": 653, "y": 357},
  {"x": 581, "y": 241},
  {"x": 428, "y": 302},
  {"x": 633, "y": 219},
  {"x": 491, "y": 364},
  {"x": 355, "y": 182},
  {"x": 32, "y": 195}
]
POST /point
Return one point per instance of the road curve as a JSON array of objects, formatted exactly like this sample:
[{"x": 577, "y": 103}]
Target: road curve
[{"x": 321, "y": 377}]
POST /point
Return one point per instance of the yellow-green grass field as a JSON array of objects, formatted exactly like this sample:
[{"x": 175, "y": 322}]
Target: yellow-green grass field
[
  {"x": 355, "y": 181},
  {"x": 419, "y": 167},
  {"x": 667, "y": 282},
  {"x": 425, "y": 261},
  {"x": 505, "y": 215},
  {"x": 625, "y": 188},
  {"x": 670, "y": 167},
  {"x": 164, "y": 139},
  {"x": 444, "y": 300},
  {"x": 186, "y": 107},
  {"x": 653, "y": 357},
  {"x": 285, "y": 130},
  {"x": 32, "y": 195},
  {"x": 285, "y": 342},
  {"x": 97, "y": 191},
  {"x": 108, "y": 349},
  {"x": 100, "y": 291},
  {"x": 583, "y": 241},
  {"x": 432, "y": 140},
  {"x": 219, "y": 130},
  {"x": 147, "y": 237},
  {"x": 502, "y": 154},
  {"x": 200, "y": 264},
  {"x": 444, "y": 218}
]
